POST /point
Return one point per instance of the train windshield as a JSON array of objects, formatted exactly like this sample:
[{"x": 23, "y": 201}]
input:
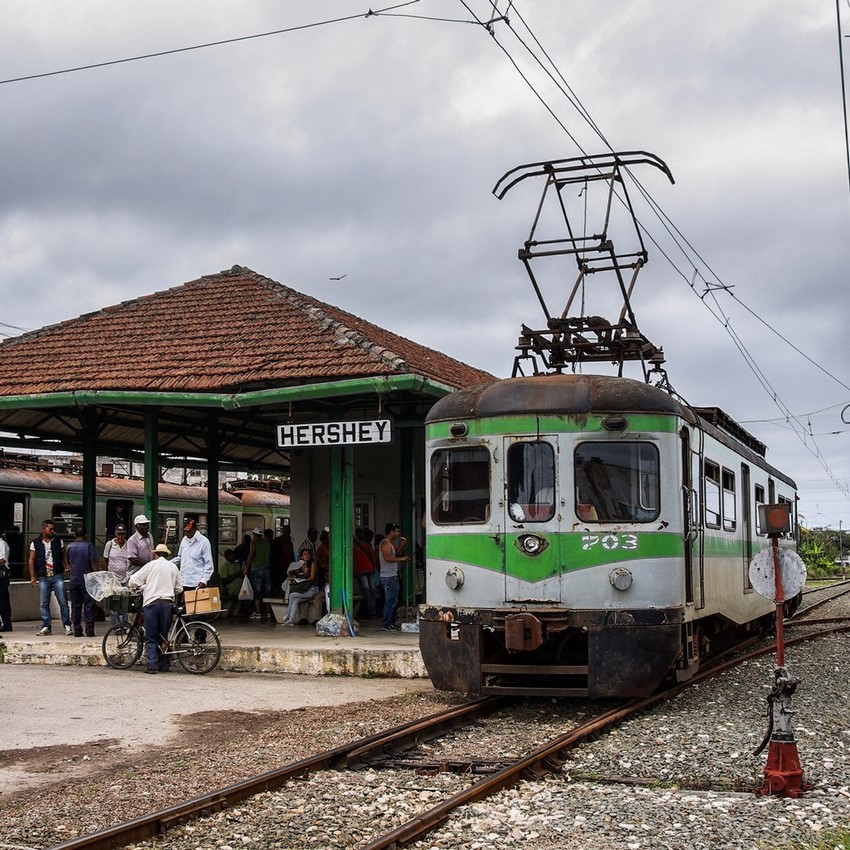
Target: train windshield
[
  {"x": 617, "y": 482},
  {"x": 531, "y": 482},
  {"x": 460, "y": 485}
]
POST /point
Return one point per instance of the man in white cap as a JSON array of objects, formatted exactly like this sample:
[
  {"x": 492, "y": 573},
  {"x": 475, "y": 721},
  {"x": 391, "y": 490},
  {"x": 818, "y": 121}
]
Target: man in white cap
[
  {"x": 140, "y": 544},
  {"x": 160, "y": 582}
]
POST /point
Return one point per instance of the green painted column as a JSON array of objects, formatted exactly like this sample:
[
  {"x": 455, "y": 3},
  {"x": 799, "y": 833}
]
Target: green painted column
[
  {"x": 152, "y": 470},
  {"x": 341, "y": 535},
  {"x": 213, "y": 455},
  {"x": 406, "y": 518},
  {"x": 90, "y": 422}
]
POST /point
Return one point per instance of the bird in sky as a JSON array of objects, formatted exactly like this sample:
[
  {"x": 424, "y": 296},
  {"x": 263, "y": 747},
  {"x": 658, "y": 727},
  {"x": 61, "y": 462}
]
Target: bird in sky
[{"x": 340, "y": 277}]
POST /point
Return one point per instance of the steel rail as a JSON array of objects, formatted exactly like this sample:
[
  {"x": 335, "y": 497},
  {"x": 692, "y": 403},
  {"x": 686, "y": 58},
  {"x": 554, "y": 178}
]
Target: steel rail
[
  {"x": 406, "y": 735},
  {"x": 800, "y": 611},
  {"x": 545, "y": 758},
  {"x": 549, "y": 756}
]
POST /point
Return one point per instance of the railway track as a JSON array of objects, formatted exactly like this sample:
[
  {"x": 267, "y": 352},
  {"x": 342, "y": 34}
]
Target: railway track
[{"x": 391, "y": 749}]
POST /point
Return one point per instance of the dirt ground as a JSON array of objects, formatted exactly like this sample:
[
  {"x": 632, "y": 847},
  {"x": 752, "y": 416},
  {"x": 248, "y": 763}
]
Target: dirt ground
[{"x": 62, "y": 721}]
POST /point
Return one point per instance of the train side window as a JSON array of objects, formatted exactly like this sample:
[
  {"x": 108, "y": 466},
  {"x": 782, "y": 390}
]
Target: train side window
[
  {"x": 251, "y": 521},
  {"x": 65, "y": 519},
  {"x": 759, "y": 499},
  {"x": 711, "y": 476},
  {"x": 460, "y": 485},
  {"x": 531, "y": 482},
  {"x": 730, "y": 518},
  {"x": 166, "y": 528},
  {"x": 617, "y": 482},
  {"x": 228, "y": 530},
  {"x": 782, "y": 500}
]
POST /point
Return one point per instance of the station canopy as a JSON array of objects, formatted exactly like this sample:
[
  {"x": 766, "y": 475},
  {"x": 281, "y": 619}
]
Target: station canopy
[{"x": 233, "y": 347}]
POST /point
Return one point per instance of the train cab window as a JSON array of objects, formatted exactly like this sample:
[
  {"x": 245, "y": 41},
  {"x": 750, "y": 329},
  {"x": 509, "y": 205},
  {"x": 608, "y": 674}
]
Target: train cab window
[
  {"x": 730, "y": 518},
  {"x": 65, "y": 519},
  {"x": 167, "y": 528},
  {"x": 531, "y": 482},
  {"x": 460, "y": 485},
  {"x": 617, "y": 482},
  {"x": 711, "y": 477}
]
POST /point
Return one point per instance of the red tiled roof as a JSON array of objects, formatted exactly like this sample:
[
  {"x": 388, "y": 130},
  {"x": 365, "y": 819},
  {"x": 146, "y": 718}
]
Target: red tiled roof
[{"x": 231, "y": 331}]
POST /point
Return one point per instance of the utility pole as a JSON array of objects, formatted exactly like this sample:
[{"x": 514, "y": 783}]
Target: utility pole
[{"x": 841, "y": 549}]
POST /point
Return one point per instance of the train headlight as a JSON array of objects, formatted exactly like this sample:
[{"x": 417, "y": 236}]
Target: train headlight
[
  {"x": 531, "y": 544},
  {"x": 620, "y": 578},
  {"x": 454, "y": 578}
]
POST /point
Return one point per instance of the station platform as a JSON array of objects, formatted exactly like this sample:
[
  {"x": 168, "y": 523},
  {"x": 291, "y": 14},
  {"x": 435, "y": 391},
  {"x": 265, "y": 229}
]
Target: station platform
[{"x": 260, "y": 647}]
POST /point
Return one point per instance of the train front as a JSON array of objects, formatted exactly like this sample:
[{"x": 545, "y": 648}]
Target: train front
[{"x": 554, "y": 551}]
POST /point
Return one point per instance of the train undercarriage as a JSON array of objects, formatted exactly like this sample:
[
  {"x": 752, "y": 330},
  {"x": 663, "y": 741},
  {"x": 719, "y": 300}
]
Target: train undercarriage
[{"x": 558, "y": 653}]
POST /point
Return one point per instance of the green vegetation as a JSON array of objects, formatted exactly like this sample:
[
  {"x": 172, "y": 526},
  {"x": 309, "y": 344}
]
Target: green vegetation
[
  {"x": 820, "y": 549},
  {"x": 826, "y": 841}
]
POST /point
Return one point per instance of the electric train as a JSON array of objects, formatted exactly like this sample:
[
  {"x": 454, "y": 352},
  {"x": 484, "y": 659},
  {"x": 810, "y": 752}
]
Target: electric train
[{"x": 587, "y": 536}]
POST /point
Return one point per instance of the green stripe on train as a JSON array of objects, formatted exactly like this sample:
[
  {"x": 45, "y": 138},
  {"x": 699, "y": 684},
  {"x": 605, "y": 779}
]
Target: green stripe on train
[
  {"x": 565, "y": 553},
  {"x": 524, "y": 425}
]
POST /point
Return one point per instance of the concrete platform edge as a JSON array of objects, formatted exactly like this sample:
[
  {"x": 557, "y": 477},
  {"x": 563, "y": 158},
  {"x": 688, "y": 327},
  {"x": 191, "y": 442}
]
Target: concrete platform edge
[{"x": 333, "y": 660}]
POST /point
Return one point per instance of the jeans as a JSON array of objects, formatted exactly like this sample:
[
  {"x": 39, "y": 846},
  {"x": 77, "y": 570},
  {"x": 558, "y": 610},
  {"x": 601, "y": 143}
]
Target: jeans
[
  {"x": 296, "y": 598},
  {"x": 157, "y": 623},
  {"x": 82, "y": 609},
  {"x": 5, "y": 606},
  {"x": 391, "y": 588},
  {"x": 364, "y": 581},
  {"x": 56, "y": 583},
  {"x": 261, "y": 583}
]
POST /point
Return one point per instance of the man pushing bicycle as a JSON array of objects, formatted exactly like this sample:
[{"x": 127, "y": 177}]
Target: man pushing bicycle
[{"x": 160, "y": 583}]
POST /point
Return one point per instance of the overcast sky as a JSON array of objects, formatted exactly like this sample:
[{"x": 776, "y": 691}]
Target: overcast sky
[{"x": 369, "y": 148}]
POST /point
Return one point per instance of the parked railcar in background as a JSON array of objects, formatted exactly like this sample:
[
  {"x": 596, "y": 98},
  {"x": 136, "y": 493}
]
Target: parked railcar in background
[
  {"x": 587, "y": 536},
  {"x": 263, "y": 505},
  {"x": 28, "y": 497}
]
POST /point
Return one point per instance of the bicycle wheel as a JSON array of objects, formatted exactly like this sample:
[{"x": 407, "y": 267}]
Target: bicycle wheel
[
  {"x": 122, "y": 646},
  {"x": 197, "y": 647}
]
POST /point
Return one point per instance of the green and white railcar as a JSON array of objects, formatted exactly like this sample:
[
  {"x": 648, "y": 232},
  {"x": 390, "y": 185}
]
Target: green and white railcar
[{"x": 587, "y": 535}]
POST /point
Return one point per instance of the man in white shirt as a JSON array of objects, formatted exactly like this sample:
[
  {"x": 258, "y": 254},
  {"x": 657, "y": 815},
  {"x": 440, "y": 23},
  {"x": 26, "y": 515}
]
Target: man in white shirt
[
  {"x": 194, "y": 557},
  {"x": 160, "y": 582},
  {"x": 5, "y": 574}
]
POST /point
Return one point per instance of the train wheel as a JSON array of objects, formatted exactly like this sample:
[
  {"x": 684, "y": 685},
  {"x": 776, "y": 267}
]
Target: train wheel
[{"x": 122, "y": 646}]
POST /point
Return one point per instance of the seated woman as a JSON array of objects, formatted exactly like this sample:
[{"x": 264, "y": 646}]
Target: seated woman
[{"x": 303, "y": 572}]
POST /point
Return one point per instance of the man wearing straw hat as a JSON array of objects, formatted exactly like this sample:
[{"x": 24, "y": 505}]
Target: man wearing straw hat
[{"x": 160, "y": 582}]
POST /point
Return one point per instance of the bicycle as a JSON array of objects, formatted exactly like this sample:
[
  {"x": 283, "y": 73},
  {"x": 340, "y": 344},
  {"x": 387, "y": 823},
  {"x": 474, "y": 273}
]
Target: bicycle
[{"x": 195, "y": 644}]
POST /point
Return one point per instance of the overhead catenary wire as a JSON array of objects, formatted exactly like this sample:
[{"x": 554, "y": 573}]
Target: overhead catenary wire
[
  {"x": 159, "y": 53},
  {"x": 711, "y": 289}
]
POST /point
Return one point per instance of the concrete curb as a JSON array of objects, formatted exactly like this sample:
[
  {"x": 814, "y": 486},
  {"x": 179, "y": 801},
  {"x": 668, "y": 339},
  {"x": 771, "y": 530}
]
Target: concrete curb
[{"x": 396, "y": 663}]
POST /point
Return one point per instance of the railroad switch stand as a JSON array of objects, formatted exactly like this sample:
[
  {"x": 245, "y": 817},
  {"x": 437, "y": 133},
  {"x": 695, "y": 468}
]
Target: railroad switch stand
[
  {"x": 779, "y": 573},
  {"x": 783, "y": 775}
]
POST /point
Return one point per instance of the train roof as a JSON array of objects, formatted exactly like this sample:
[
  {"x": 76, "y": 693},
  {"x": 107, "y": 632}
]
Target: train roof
[
  {"x": 261, "y": 498},
  {"x": 557, "y": 394},
  {"x": 60, "y": 482},
  {"x": 579, "y": 395}
]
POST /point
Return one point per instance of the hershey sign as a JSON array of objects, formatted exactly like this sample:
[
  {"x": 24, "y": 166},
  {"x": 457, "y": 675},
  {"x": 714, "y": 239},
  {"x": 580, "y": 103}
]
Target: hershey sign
[{"x": 334, "y": 433}]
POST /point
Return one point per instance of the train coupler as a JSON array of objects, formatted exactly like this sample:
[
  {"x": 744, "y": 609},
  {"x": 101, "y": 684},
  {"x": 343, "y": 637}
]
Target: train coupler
[{"x": 783, "y": 774}]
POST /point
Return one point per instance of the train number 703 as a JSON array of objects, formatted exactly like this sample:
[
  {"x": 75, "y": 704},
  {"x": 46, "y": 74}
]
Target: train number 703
[{"x": 609, "y": 541}]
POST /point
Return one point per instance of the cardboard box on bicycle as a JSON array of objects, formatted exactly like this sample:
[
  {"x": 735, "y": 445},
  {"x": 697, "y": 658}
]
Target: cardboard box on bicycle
[{"x": 204, "y": 600}]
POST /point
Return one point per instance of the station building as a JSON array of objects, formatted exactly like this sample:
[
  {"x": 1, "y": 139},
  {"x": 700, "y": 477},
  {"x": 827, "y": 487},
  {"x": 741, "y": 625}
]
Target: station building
[{"x": 234, "y": 370}]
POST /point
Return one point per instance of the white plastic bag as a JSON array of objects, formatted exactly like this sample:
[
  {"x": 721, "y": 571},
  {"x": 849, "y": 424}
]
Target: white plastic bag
[
  {"x": 103, "y": 583},
  {"x": 246, "y": 592}
]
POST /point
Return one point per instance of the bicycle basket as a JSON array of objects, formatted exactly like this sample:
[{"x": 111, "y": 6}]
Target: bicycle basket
[{"x": 123, "y": 603}]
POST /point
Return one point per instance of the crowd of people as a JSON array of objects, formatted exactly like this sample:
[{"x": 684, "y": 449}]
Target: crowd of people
[{"x": 269, "y": 562}]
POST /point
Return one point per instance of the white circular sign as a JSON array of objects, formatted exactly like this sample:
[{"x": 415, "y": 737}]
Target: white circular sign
[{"x": 792, "y": 572}]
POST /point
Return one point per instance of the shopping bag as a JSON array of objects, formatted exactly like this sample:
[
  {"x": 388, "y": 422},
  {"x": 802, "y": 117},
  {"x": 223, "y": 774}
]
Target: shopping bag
[{"x": 246, "y": 592}]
